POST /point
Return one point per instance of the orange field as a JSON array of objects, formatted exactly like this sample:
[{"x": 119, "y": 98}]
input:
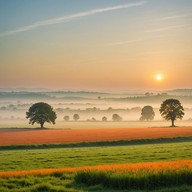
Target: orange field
[
  {"x": 135, "y": 167},
  {"x": 48, "y": 136}
]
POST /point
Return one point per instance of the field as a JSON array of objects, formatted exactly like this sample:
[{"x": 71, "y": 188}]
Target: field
[
  {"x": 134, "y": 159},
  {"x": 47, "y": 136},
  {"x": 140, "y": 177}
]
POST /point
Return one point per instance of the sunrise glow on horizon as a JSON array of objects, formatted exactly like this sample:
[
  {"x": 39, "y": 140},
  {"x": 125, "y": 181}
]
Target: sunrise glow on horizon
[
  {"x": 96, "y": 45},
  {"x": 159, "y": 77}
]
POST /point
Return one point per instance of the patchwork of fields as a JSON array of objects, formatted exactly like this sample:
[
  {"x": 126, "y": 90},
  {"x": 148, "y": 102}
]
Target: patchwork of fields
[{"x": 156, "y": 165}]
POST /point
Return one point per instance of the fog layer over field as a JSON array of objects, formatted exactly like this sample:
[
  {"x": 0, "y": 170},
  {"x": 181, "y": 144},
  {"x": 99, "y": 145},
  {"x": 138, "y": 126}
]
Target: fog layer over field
[{"x": 91, "y": 107}]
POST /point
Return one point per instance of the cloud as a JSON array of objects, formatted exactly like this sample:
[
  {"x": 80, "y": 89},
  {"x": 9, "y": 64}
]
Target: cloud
[
  {"x": 72, "y": 17},
  {"x": 167, "y": 28},
  {"x": 174, "y": 17},
  {"x": 137, "y": 40},
  {"x": 125, "y": 42}
]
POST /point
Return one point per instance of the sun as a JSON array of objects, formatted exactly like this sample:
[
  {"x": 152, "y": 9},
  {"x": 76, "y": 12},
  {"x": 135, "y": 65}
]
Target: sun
[{"x": 159, "y": 77}]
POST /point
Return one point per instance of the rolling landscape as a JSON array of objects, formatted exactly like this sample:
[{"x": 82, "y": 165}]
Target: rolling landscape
[{"x": 95, "y": 96}]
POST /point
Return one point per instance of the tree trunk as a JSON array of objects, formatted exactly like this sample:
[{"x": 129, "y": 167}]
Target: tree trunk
[
  {"x": 172, "y": 121},
  {"x": 41, "y": 124}
]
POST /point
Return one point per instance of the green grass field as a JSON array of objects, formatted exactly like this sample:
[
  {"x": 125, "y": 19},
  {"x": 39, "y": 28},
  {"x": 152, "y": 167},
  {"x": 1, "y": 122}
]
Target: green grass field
[
  {"x": 65, "y": 183},
  {"x": 36, "y": 157},
  {"x": 82, "y": 156}
]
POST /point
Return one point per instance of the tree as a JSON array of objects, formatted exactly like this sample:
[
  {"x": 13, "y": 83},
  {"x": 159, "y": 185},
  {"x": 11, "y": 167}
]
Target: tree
[
  {"x": 104, "y": 118},
  {"x": 66, "y": 118},
  {"x": 40, "y": 113},
  {"x": 171, "y": 109},
  {"x": 93, "y": 119},
  {"x": 116, "y": 117},
  {"x": 76, "y": 117},
  {"x": 147, "y": 113}
]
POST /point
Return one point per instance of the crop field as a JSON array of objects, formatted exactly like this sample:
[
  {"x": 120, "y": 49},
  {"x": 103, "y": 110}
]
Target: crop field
[
  {"x": 68, "y": 169},
  {"x": 133, "y": 159},
  {"x": 47, "y": 136},
  {"x": 157, "y": 176},
  {"x": 82, "y": 156}
]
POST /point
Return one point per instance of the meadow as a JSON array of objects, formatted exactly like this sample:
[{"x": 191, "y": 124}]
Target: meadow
[
  {"x": 65, "y": 168},
  {"x": 28, "y": 159},
  {"x": 143, "y": 159}
]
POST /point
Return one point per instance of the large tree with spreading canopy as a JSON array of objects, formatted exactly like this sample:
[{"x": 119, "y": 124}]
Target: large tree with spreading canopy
[
  {"x": 171, "y": 109},
  {"x": 40, "y": 113}
]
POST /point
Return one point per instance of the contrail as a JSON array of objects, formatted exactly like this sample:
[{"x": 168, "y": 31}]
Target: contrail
[
  {"x": 167, "y": 28},
  {"x": 69, "y": 18},
  {"x": 174, "y": 17}
]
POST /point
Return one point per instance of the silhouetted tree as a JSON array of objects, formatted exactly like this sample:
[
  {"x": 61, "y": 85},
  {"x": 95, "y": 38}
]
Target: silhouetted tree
[
  {"x": 40, "y": 113},
  {"x": 148, "y": 94},
  {"x": 171, "y": 109},
  {"x": 66, "y": 118},
  {"x": 116, "y": 117},
  {"x": 93, "y": 119},
  {"x": 104, "y": 118},
  {"x": 76, "y": 117},
  {"x": 147, "y": 113}
]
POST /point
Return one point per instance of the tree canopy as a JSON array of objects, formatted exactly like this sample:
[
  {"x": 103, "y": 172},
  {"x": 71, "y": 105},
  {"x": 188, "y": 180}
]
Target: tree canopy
[
  {"x": 116, "y": 117},
  {"x": 147, "y": 113},
  {"x": 40, "y": 113},
  {"x": 171, "y": 109},
  {"x": 76, "y": 117},
  {"x": 104, "y": 118},
  {"x": 66, "y": 118}
]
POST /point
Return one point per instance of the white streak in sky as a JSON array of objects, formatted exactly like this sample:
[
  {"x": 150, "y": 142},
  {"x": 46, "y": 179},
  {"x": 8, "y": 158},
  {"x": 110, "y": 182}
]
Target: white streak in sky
[
  {"x": 69, "y": 18},
  {"x": 137, "y": 40},
  {"x": 125, "y": 42},
  {"x": 174, "y": 17},
  {"x": 167, "y": 28}
]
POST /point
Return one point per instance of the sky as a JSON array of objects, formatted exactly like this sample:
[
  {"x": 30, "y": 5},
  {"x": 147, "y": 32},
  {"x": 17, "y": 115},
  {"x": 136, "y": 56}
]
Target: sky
[{"x": 96, "y": 44}]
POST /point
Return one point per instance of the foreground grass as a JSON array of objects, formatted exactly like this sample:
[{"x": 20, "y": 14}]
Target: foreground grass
[
  {"x": 146, "y": 176},
  {"x": 142, "y": 177},
  {"x": 82, "y": 156},
  {"x": 65, "y": 183},
  {"x": 76, "y": 156}
]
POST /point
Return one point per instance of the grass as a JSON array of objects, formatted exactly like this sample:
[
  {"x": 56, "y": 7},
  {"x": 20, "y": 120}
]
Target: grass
[
  {"x": 98, "y": 143},
  {"x": 84, "y": 124},
  {"x": 146, "y": 176},
  {"x": 141, "y": 177},
  {"x": 65, "y": 183},
  {"x": 36, "y": 157},
  {"x": 83, "y": 156}
]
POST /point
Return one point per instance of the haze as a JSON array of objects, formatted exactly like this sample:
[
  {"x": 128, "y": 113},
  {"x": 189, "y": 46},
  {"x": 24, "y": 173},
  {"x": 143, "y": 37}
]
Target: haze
[{"x": 96, "y": 45}]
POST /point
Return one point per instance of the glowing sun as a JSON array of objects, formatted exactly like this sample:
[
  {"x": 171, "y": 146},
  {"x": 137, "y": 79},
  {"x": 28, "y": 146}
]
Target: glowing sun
[{"x": 159, "y": 77}]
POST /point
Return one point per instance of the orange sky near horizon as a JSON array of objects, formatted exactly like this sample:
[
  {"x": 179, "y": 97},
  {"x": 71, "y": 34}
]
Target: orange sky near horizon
[{"x": 113, "y": 45}]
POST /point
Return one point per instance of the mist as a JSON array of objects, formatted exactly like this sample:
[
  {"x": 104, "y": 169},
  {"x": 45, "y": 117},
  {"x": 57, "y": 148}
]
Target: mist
[{"x": 91, "y": 107}]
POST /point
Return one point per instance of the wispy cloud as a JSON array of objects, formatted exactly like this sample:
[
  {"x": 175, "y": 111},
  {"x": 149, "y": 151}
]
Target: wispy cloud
[
  {"x": 168, "y": 28},
  {"x": 125, "y": 42},
  {"x": 68, "y": 18},
  {"x": 174, "y": 17},
  {"x": 137, "y": 40}
]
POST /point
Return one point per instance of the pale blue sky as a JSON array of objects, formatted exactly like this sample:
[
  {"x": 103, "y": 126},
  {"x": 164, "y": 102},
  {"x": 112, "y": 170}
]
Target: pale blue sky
[{"x": 95, "y": 44}]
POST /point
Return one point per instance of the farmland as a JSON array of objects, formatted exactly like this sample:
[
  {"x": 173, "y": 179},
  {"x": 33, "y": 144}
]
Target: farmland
[
  {"x": 108, "y": 159},
  {"x": 83, "y": 156},
  {"x": 32, "y": 168},
  {"x": 47, "y": 136}
]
